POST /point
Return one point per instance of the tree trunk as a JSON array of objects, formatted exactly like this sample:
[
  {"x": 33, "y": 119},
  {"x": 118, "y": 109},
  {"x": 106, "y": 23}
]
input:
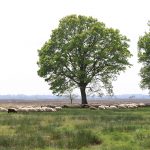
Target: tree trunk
[
  {"x": 83, "y": 95},
  {"x": 70, "y": 98}
]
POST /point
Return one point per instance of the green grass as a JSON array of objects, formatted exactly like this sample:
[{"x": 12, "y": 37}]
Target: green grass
[{"x": 127, "y": 129}]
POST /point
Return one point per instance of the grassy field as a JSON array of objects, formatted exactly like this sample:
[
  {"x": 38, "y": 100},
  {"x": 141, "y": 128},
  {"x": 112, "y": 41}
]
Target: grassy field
[{"x": 127, "y": 129}]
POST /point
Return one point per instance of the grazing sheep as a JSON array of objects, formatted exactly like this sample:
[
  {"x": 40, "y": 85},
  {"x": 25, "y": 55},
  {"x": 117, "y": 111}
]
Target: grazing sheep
[
  {"x": 51, "y": 109},
  {"x": 133, "y": 105},
  {"x": 141, "y": 104},
  {"x": 122, "y": 106},
  {"x": 39, "y": 109},
  {"x": 101, "y": 107},
  {"x": 3, "y": 109},
  {"x": 12, "y": 110},
  {"x": 48, "y": 109},
  {"x": 65, "y": 106},
  {"x": 51, "y": 106},
  {"x": 23, "y": 109},
  {"x": 112, "y": 107},
  {"x": 43, "y": 108},
  {"x": 93, "y": 108},
  {"x": 106, "y": 107},
  {"x": 36, "y": 109},
  {"x": 32, "y": 109},
  {"x": 58, "y": 108}
]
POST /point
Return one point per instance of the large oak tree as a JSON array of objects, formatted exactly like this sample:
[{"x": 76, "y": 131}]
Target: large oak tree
[
  {"x": 144, "y": 58},
  {"x": 82, "y": 52}
]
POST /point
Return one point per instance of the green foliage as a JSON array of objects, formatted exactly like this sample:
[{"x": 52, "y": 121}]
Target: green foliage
[
  {"x": 82, "y": 51},
  {"x": 144, "y": 58}
]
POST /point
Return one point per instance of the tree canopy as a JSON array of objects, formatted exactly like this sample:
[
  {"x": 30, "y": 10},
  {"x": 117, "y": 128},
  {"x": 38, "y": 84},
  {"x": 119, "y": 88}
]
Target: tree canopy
[
  {"x": 82, "y": 52},
  {"x": 144, "y": 58}
]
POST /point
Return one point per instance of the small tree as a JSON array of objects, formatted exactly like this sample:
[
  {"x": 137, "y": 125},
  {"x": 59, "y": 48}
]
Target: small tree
[
  {"x": 70, "y": 95},
  {"x": 144, "y": 58},
  {"x": 80, "y": 52}
]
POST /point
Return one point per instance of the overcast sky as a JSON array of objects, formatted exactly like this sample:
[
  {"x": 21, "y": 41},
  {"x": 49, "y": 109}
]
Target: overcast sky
[{"x": 25, "y": 25}]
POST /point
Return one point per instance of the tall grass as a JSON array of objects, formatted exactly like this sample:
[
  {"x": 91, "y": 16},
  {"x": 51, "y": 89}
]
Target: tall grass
[{"x": 76, "y": 129}]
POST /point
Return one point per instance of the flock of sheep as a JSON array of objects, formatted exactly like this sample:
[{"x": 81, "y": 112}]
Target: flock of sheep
[
  {"x": 50, "y": 108},
  {"x": 119, "y": 106},
  {"x": 30, "y": 109}
]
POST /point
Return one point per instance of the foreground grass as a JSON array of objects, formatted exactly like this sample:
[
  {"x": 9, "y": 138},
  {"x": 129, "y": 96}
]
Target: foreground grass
[{"x": 76, "y": 129}]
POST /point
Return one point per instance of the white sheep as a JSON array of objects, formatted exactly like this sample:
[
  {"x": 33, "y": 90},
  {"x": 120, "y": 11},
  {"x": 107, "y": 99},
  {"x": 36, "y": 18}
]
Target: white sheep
[
  {"x": 122, "y": 106},
  {"x": 39, "y": 109},
  {"x": 51, "y": 109},
  {"x": 112, "y": 107},
  {"x": 58, "y": 108},
  {"x": 32, "y": 109},
  {"x": 133, "y": 105},
  {"x": 141, "y": 104},
  {"x": 3, "y": 109},
  {"x": 23, "y": 109},
  {"x": 106, "y": 107},
  {"x": 27, "y": 109},
  {"x": 101, "y": 107},
  {"x": 47, "y": 109}
]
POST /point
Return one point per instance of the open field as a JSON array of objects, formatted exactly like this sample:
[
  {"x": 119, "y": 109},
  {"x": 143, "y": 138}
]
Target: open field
[
  {"x": 121, "y": 129},
  {"x": 15, "y": 103}
]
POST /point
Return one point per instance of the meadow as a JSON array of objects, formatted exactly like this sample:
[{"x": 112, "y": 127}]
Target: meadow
[{"x": 85, "y": 129}]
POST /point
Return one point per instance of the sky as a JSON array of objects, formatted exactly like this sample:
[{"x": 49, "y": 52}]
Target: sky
[{"x": 25, "y": 25}]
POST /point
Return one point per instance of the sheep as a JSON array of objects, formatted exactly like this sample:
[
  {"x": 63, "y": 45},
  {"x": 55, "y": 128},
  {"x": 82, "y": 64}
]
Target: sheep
[
  {"x": 122, "y": 106},
  {"x": 58, "y": 108},
  {"x": 106, "y": 107},
  {"x": 93, "y": 108},
  {"x": 51, "y": 109},
  {"x": 13, "y": 110},
  {"x": 141, "y": 104},
  {"x": 36, "y": 109},
  {"x": 23, "y": 110},
  {"x": 51, "y": 106},
  {"x": 32, "y": 109},
  {"x": 112, "y": 107},
  {"x": 39, "y": 109},
  {"x": 45, "y": 109},
  {"x": 101, "y": 107},
  {"x": 3, "y": 109},
  {"x": 133, "y": 105},
  {"x": 42, "y": 109}
]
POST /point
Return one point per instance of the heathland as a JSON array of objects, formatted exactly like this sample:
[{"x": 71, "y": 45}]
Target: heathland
[{"x": 76, "y": 128}]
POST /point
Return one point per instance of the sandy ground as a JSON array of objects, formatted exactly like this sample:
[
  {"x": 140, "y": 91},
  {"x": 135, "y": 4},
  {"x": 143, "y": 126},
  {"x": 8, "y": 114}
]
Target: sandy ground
[{"x": 18, "y": 103}]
